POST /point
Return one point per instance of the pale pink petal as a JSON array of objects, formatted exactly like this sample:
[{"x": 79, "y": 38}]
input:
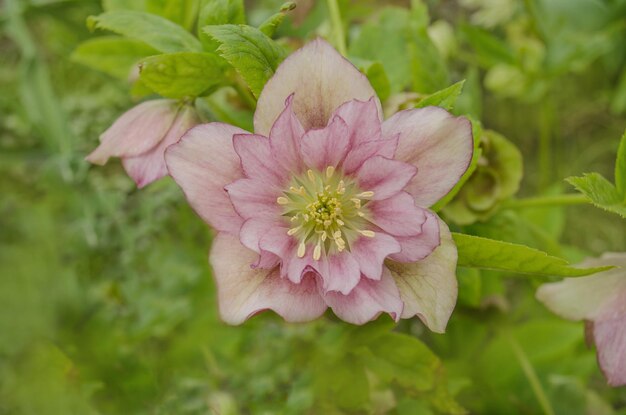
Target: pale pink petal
[
  {"x": 437, "y": 143},
  {"x": 285, "y": 139},
  {"x": 363, "y": 120},
  {"x": 339, "y": 272},
  {"x": 610, "y": 340},
  {"x": 363, "y": 151},
  {"x": 150, "y": 166},
  {"x": 367, "y": 301},
  {"x": 429, "y": 288},
  {"x": 320, "y": 79},
  {"x": 415, "y": 248},
  {"x": 243, "y": 291},
  {"x": 137, "y": 131},
  {"x": 254, "y": 229},
  {"x": 370, "y": 253},
  {"x": 384, "y": 177},
  {"x": 398, "y": 215},
  {"x": 327, "y": 146},
  {"x": 253, "y": 198},
  {"x": 256, "y": 159},
  {"x": 202, "y": 163},
  {"x": 598, "y": 296}
]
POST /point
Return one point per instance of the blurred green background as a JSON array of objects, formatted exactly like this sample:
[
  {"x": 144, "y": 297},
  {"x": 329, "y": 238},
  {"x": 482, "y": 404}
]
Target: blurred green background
[{"x": 106, "y": 299}]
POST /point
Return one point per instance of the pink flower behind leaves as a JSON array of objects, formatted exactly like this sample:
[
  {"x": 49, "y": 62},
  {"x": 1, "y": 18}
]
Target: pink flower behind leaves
[
  {"x": 326, "y": 205},
  {"x": 141, "y": 135},
  {"x": 600, "y": 300}
]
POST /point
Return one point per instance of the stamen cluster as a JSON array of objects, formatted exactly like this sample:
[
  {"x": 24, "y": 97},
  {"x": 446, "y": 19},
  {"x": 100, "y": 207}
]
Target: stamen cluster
[{"x": 326, "y": 210}]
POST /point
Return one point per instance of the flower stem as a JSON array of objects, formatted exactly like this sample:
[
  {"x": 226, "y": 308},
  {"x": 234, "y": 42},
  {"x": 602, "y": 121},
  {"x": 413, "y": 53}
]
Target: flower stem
[
  {"x": 546, "y": 201},
  {"x": 337, "y": 25},
  {"x": 532, "y": 377}
]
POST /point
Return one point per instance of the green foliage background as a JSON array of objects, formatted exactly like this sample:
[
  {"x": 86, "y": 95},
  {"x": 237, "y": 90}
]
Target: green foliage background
[{"x": 106, "y": 299}]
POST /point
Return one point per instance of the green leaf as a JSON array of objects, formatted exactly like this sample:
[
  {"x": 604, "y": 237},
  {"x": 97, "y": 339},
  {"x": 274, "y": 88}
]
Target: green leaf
[
  {"x": 156, "y": 31},
  {"x": 489, "y": 49},
  {"x": 375, "y": 72},
  {"x": 620, "y": 168},
  {"x": 219, "y": 12},
  {"x": 183, "y": 74},
  {"x": 477, "y": 252},
  {"x": 253, "y": 55},
  {"x": 270, "y": 25},
  {"x": 445, "y": 98},
  {"x": 112, "y": 55},
  {"x": 182, "y": 12},
  {"x": 600, "y": 191}
]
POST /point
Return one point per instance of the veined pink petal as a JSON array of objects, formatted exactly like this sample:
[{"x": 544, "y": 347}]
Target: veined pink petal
[
  {"x": 202, "y": 163},
  {"x": 327, "y": 146},
  {"x": 150, "y": 166},
  {"x": 438, "y": 144},
  {"x": 256, "y": 159},
  {"x": 362, "y": 119},
  {"x": 253, "y": 198},
  {"x": 339, "y": 272},
  {"x": 429, "y": 288},
  {"x": 244, "y": 291},
  {"x": 370, "y": 253},
  {"x": 254, "y": 229},
  {"x": 285, "y": 139},
  {"x": 384, "y": 177},
  {"x": 320, "y": 79},
  {"x": 367, "y": 301},
  {"x": 398, "y": 215},
  {"x": 137, "y": 131},
  {"x": 610, "y": 340},
  {"x": 416, "y": 248},
  {"x": 363, "y": 151}
]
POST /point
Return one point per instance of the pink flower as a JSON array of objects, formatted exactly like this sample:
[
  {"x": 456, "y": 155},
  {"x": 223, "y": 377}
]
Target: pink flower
[
  {"x": 325, "y": 206},
  {"x": 600, "y": 300},
  {"x": 141, "y": 135}
]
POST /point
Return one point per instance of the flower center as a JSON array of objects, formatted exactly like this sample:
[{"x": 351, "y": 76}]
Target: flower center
[{"x": 326, "y": 210}]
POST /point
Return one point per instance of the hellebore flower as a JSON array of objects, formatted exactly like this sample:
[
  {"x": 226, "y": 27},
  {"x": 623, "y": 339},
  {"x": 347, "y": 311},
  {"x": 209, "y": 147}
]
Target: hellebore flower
[
  {"x": 140, "y": 136},
  {"x": 325, "y": 206},
  {"x": 600, "y": 300}
]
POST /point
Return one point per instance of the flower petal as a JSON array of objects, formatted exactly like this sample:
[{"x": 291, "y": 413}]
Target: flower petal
[
  {"x": 437, "y": 143},
  {"x": 285, "y": 139},
  {"x": 398, "y": 215},
  {"x": 202, "y": 163},
  {"x": 362, "y": 119},
  {"x": 252, "y": 198},
  {"x": 429, "y": 288},
  {"x": 256, "y": 159},
  {"x": 244, "y": 291},
  {"x": 370, "y": 253},
  {"x": 327, "y": 146},
  {"x": 339, "y": 272},
  {"x": 150, "y": 166},
  {"x": 367, "y": 301},
  {"x": 137, "y": 131},
  {"x": 610, "y": 340},
  {"x": 416, "y": 248},
  {"x": 366, "y": 150},
  {"x": 320, "y": 79},
  {"x": 384, "y": 177}
]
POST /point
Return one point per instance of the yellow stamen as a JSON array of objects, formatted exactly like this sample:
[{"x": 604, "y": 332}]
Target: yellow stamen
[
  {"x": 330, "y": 170},
  {"x": 317, "y": 252},
  {"x": 293, "y": 230},
  {"x": 301, "y": 249},
  {"x": 311, "y": 175},
  {"x": 282, "y": 200},
  {"x": 367, "y": 234},
  {"x": 366, "y": 194}
]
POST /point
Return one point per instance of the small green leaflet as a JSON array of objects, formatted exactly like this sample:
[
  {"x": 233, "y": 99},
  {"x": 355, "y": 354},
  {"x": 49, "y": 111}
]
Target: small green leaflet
[
  {"x": 156, "y": 31},
  {"x": 600, "y": 191},
  {"x": 253, "y": 55},
  {"x": 218, "y": 12},
  {"x": 445, "y": 98},
  {"x": 113, "y": 55},
  {"x": 182, "y": 74},
  {"x": 478, "y": 252},
  {"x": 270, "y": 25}
]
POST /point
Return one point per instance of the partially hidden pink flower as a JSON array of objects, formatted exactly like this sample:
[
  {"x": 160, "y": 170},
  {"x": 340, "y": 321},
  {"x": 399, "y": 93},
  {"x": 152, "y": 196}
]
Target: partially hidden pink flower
[
  {"x": 326, "y": 205},
  {"x": 140, "y": 136},
  {"x": 599, "y": 300}
]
